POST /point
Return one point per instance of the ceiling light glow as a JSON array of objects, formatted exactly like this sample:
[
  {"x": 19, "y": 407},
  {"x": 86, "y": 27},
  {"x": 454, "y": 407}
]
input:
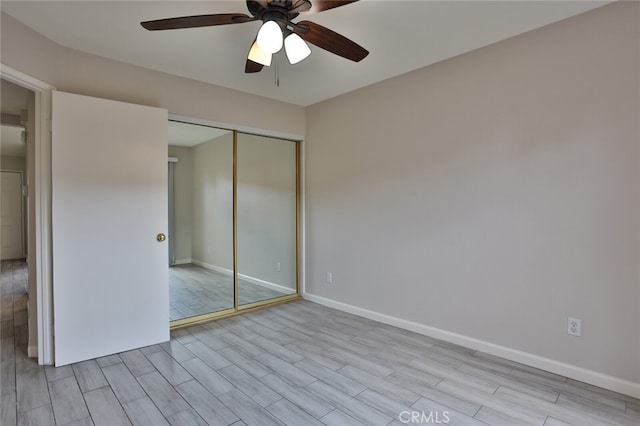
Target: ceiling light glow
[
  {"x": 260, "y": 56},
  {"x": 296, "y": 48},
  {"x": 270, "y": 37}
]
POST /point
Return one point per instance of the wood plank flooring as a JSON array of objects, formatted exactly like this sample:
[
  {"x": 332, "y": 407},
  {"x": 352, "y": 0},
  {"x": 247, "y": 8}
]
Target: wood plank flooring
[
  {"x": 194, "y": 290},
  {"x": 296, "y": 364}
]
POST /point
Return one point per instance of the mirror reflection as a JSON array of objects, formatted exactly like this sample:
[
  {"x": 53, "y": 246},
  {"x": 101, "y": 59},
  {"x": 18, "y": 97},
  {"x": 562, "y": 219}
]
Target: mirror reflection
[
  {"x": 266, "y": 197},
  {"x": 201, "y": 220}
]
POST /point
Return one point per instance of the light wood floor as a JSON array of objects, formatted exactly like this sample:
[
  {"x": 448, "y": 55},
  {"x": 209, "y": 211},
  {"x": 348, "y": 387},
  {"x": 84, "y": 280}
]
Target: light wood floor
[
  {"x": 296, "y": 364},
  {"x": 194, "y": 290}
]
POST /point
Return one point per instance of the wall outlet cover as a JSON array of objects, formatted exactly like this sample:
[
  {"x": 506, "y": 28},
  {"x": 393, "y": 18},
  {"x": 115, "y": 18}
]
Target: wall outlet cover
[{"x": 574, "y": 327}]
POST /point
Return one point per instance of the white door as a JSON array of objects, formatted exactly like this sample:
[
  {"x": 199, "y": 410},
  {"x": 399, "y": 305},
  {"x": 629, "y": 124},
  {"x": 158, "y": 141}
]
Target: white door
[
  {"x": 109, "y": 202},
  {"x": 11, "y": 216}
]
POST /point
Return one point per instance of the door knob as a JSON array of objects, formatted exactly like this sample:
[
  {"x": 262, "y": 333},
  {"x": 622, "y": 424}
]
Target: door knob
[{"x": 161, "y": 237}]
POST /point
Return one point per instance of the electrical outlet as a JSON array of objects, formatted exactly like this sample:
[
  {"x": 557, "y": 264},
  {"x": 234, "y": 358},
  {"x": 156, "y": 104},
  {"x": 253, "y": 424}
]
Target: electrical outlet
[
  {"x": 278, "y": 267},
  {"x": 329, "y": 277},
  {"x": 574, "y": 327}
]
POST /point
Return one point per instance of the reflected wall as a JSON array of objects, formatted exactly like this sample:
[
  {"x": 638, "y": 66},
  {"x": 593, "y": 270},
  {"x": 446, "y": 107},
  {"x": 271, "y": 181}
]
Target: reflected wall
[
  {"x": 267, "y": 229},
  {"x": 201, "y": 280}
]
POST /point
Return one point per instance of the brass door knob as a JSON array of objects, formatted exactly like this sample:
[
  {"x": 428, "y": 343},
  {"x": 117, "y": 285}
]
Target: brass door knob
[{"x": 161, "y": 237}]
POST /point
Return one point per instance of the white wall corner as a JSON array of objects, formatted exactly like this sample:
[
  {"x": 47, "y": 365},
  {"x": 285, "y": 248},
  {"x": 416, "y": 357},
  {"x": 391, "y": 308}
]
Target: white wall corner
[{"x": 595, "y": 378}]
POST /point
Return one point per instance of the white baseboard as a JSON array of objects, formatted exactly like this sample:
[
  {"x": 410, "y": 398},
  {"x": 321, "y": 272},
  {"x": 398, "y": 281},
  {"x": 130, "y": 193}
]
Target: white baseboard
[
  {"x": 574, "y": 372},
  {"x": 212, "y": 267},
  {"x": 32, "y": 351},
  {"x": 252, "y": 280},
  {"x": 276, "y": 287},
  {"x": 182, "y": 262}
]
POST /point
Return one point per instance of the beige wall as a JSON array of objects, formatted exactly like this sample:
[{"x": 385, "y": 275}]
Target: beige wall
[
  {"x": 266, "y": 206},
  {"x": 8, "y": 162},
  {"x": 85, "y": 74},
  {"x": 12, "y": 163},
  {"x": 212, "y": 211},
  {"x": 267, "y": 209},
  {"x": 183, "y": 184},
  {"x": 492, "y": 195}
]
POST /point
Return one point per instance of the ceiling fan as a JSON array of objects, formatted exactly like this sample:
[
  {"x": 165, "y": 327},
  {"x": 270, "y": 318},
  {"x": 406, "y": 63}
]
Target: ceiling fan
[{"x": 277, "y": 30}]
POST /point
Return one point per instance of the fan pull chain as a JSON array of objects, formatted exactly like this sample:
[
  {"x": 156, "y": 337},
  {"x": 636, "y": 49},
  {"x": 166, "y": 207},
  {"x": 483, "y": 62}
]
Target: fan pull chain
[{"x": 276, "y": 71}]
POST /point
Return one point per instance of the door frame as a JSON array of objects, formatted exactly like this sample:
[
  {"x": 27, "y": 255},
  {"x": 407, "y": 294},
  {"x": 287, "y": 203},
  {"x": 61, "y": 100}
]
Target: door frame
[{"x": 39, "y": 244}]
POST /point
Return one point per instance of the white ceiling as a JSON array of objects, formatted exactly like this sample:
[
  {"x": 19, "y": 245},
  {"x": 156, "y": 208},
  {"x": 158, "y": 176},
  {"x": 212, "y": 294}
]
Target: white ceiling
[{"x": 401, "y": 36}]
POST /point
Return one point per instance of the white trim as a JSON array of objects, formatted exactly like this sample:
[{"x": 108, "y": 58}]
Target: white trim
[
  {"x": 276, "y": 287},
  {"x": 303, "y": 256},
  {"x": 212, "y": 267},
  {"x": 173, "y": 159},
  {"x": 273, "y": 286},
  {"x": 32, "y": 351},
  {"x": 574, "y": 372},
  {"x": 42, "y": 193},
  {"x": 182, "y": 262},
  {"x": 239, "y": 128}
]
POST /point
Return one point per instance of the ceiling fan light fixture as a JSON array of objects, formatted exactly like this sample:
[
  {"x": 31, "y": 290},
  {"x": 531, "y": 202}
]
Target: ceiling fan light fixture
[
  {"x": 270, "y": 37},
  {"x": 296, "y": 48},
  {"x": 259, "y": 56},
  {"x": 277, "y": 24}
]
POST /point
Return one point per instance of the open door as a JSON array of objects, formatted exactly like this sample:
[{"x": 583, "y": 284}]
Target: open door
[{"x": 109, "y": 210}]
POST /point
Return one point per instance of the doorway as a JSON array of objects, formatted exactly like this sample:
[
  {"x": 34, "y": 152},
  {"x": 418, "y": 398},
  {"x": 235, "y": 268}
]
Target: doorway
[
  {"x": 26, "y": 148},
  {"x": 13, "y": 165},
  {"x": 234, "y": 225}
]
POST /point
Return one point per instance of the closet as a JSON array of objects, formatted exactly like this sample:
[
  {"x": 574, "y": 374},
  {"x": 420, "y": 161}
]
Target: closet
[{"x": 234, "y": 221}]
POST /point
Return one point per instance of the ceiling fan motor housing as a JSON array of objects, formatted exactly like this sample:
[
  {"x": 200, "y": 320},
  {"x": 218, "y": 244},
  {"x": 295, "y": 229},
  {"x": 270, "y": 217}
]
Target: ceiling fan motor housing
[{"x": 281, "y": 17}]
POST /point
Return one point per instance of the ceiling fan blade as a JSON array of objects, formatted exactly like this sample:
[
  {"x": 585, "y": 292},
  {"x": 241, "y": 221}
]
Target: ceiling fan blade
[
  {"x": 251, "y": 67},
  {"x": 256, "y": 6},
  {"x": 322, "y": 5},
  {"x": 329, "y": 40},
  {"x": 300, "y": 6},
  {"x": 197, "y": 21}
]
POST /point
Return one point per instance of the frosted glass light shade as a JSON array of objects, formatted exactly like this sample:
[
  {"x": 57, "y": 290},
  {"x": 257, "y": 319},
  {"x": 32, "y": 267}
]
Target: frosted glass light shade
[
  {"x": 270, "y": 37},
  {"x": 296, "y": 48},
  {"x": 260, "y": 56}
]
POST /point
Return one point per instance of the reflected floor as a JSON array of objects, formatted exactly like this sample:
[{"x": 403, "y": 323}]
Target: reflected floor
[{"x": 194, "y": 290}]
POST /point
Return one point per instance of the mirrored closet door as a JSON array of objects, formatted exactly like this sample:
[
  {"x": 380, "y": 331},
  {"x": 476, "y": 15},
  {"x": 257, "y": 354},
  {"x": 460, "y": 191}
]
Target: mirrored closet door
[
  {"x": 267, "y": 222},
  {"x": 201, "y": 278},
  {"x": 233, "y": 231}
]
